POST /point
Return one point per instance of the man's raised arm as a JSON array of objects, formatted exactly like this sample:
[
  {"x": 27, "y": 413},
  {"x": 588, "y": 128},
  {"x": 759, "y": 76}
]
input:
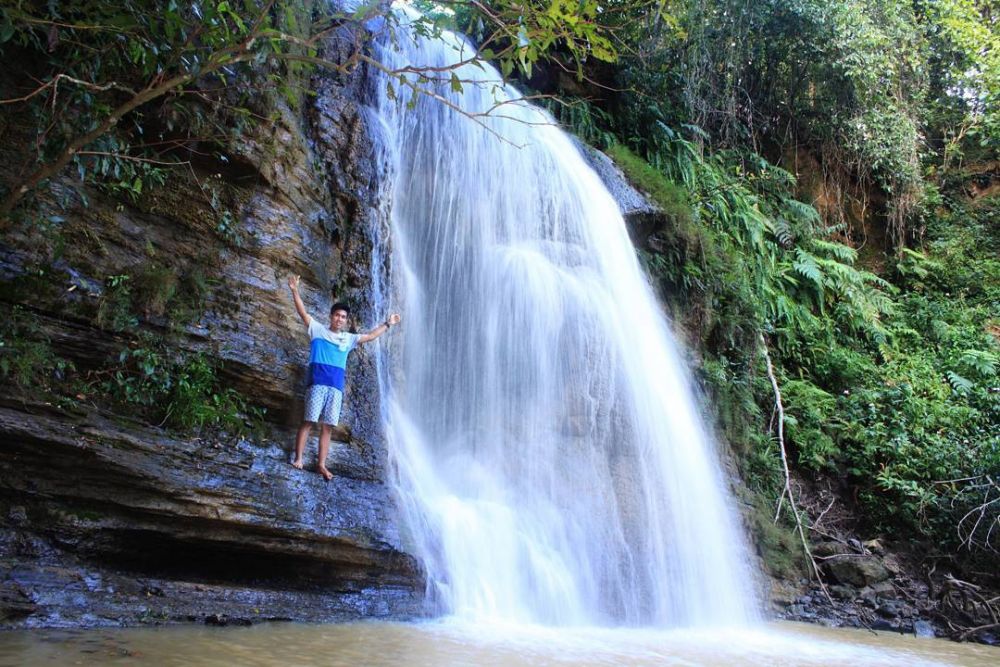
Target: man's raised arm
[
  {"x": 380, "y": 329},
  {"x": 300, "y": 308}
]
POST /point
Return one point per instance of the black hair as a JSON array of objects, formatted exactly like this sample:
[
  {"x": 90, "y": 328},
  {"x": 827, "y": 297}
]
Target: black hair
[{"x": 340, "y": 305}]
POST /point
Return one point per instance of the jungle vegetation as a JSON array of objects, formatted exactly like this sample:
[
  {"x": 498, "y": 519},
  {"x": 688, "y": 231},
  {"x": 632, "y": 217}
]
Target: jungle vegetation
[{"x": 829, "y": 171}]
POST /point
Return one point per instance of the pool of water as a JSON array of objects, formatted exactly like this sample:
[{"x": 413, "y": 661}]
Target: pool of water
[{"x": 441, "y": 643}]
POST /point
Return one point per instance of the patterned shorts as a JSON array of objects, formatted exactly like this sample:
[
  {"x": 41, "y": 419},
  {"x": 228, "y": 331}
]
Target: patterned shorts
[{"x": 323, "y": 404}]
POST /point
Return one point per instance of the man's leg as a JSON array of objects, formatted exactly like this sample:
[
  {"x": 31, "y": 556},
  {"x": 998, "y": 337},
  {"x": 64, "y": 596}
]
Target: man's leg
[
  {"x": 324, "y": 449},
  {"x": 300, "y": 443}
]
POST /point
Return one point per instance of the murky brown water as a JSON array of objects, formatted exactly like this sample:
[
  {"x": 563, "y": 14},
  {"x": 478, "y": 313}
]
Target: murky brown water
[{"x": 448, "y": 643}]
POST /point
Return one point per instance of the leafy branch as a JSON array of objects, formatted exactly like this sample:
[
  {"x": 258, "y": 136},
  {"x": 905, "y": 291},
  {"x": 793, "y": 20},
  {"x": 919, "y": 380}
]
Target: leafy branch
[{"x": 151, "y": 52}]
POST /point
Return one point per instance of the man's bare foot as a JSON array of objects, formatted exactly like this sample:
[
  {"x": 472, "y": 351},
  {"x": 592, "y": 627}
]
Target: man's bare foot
[
  {"x": 297, "y": 465},
  {"x": 327, "y": 475}
]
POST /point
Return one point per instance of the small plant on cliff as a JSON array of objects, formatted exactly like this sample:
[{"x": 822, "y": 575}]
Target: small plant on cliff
[
  {"x": 183, "y": 391},
  {"x": 26, "y": 355},
  {"x": 114, "y": 310}
]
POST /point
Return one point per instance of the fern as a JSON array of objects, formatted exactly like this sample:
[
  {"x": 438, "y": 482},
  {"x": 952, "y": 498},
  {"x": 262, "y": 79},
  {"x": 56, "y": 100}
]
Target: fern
[
  {"x": 839, "y": 251},
  {"x": 806, "y": 266},
  {"x": 959, "y": 384},
  {"x": 981, "y": 363},
  {"x": 783, "y": 232}
]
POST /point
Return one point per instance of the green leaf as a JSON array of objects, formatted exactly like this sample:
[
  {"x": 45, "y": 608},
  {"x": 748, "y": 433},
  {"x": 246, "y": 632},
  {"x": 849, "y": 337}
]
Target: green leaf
[{"x": 959, "y": 384}]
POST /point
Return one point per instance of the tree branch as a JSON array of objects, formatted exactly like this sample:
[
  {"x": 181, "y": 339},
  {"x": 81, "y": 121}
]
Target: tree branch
[
  {"x": 784, "y": 464},
  {"x": 151, "y": 92},
  {"x": 54, "y": 84}
]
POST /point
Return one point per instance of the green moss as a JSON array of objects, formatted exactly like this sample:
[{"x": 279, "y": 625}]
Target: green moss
[
  {"x": 155, "y": 289},
  {"x": 82, "y": 514},
  {"x": 670, "y": 197},
  {"x": 778, "y": 545}
]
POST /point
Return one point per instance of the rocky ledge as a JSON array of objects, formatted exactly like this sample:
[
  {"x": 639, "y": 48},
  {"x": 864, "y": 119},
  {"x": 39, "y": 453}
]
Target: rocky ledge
[{"x": 111, "y": 523}]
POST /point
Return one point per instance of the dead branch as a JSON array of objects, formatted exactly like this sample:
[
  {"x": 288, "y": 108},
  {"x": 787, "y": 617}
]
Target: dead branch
[
  {"x": 972, "y": 591},
  {"x": 784, "y": 464},
  {"x": 54, "y": 84},
  {"x": 971, "y": 631},
  {"x": 819, "y": 518},
  {"x": 132, "y": 158}
]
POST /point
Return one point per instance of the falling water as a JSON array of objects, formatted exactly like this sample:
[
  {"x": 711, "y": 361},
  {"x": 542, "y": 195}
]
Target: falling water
[{"x": 552, "y": 465}]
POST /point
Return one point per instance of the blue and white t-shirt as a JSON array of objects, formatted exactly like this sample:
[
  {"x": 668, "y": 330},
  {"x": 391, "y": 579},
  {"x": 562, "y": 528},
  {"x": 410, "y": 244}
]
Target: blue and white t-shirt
[{"x": 328, "y": 355}]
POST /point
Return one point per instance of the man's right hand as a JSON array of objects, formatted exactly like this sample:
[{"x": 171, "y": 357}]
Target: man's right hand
[{"x": 300, "y": 308}]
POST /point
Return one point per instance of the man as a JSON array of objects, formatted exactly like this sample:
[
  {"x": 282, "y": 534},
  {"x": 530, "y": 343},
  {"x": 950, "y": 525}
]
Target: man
[{"x": 329, "y": 348}]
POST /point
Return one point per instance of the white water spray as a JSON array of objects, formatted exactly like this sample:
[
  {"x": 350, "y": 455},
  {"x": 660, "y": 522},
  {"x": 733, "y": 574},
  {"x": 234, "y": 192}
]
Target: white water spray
[{"x": 552, "y": 464}]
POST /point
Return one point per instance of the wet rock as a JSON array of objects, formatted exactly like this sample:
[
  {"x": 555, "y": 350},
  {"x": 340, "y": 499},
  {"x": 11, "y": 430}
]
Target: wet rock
[
  {"x": 222, "y": 620},
  {"x": 988, "y": 638},
  {"x": 889, "y": 609},
  {"x": 842, "y": 592},
  {"x": 133, "y": 500},
  {"x": 15, "y": 602},
  {"x": 857, "y": 570},
  {"x": 634, "y": 205},
  {"x": 892, "y": 564},
  {"x": 890, "y": 625},
  {"x": 875, "y": 546},
  {"x": 17, "y": 516},
  {"x": 799, "y": 611},
  {"x": 830, "y": 548},
  {"x": 883, "y": 588}
]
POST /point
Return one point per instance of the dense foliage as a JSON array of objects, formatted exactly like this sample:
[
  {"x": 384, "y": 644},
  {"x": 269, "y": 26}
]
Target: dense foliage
[
  {"x": 889, "y": 358},
  {"x": 813, "y": 159},
  {"x": 120, "y": 90}
]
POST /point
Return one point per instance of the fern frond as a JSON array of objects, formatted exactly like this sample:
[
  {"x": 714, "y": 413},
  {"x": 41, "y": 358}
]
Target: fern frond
[
  {"x": 805, "y": 265},
  {"x": 959, "y": 384}
]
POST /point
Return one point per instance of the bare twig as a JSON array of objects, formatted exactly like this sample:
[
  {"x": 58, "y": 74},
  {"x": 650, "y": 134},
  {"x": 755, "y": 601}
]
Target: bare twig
[
  {"x": 133, "y": 158},
  {"x": 784, "y": 464},
  {"x": 971, "y": 631},
  {"x": 54, "y": 84},
  {"x": 816, "y": 523}
]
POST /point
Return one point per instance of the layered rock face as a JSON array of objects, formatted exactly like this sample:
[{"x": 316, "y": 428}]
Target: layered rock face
[{"x": 106, "y": 519}]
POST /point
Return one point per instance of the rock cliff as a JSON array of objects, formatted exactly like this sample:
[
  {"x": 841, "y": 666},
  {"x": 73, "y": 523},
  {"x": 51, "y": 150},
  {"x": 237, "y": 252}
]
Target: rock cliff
[{"x": 109, "y": 519}]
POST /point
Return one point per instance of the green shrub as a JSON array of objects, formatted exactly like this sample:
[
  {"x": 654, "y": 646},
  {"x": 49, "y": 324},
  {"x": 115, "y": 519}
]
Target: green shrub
[
  {"x": 26, "y": 355},
  {"x": 182, "y": 392}
]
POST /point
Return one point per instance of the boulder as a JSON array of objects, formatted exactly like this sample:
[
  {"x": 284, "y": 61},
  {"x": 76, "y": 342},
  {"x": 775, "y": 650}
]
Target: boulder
[
  {"x": 856, "y": 570},
  {"x": 633, "y": 204}
]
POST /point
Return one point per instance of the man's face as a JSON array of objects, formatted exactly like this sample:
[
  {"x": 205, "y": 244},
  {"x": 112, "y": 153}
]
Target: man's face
[{"x": 338, "y": 320}]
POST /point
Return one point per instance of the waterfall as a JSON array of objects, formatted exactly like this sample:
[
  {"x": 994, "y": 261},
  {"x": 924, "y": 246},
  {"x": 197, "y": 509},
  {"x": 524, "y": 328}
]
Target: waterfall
[{"x": 550, "y": 460}]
